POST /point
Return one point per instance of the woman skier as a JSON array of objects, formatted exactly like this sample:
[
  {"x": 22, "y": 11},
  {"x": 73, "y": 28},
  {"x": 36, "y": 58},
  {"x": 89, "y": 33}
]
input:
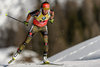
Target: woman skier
[{"x": 40, "y": 19}]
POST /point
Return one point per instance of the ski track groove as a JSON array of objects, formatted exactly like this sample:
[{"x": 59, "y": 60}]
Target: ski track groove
[{"x": 91, "y": 43}]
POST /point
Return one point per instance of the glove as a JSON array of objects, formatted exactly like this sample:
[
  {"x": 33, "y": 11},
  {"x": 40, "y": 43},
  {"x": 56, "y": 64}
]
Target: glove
[
  {"x": 26, "y": 23},
  {"x": 51, "y": 20}
]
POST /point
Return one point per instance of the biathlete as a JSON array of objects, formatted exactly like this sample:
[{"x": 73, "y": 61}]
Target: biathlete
[{"x": 40, "y": 19}]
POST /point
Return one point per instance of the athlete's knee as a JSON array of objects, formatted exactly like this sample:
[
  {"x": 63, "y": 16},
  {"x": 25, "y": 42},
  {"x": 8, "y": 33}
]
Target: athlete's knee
[
  {"x": 30, "y": 34},
  {"x": 29, "y": 37}
]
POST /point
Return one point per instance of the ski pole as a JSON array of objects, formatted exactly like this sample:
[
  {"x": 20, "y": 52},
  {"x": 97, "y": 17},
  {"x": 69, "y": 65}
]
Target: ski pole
[{"x": 13, "y": 18}]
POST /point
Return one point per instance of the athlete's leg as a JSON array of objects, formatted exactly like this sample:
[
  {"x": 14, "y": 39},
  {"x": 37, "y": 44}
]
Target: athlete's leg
[
  {"x": 27, "y": 40},
  {"x": 22, "y": 46},
  {"x": 45, "y": 38},
  {"x": 31, "y": 32}
]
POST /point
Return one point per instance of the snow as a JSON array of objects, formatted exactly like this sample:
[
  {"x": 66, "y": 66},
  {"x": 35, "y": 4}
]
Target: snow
[
  {"x": 85, "y": 54},
  {"x": 93, "y": 63},
  {"x": 87, "y": 50},
  {"x": 5, "y": 55}
]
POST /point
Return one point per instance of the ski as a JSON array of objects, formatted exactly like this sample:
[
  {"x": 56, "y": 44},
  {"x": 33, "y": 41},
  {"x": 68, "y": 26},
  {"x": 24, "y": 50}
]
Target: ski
[
  {"x": 3, "y": 65},
  {"x": 13, "y": 58},
  {"x": 16, "y": 54},
  {"x": 51, "y": 63}
]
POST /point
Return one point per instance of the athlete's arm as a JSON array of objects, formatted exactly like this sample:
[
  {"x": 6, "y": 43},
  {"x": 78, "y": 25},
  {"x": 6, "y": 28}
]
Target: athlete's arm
[
  {"x": 52, "y": 14},
  {"x": 52, "y": 17},
  {"x": 32, "y": 14}
]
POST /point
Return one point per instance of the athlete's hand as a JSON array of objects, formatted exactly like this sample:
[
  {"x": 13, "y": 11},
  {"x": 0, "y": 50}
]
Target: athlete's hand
[
  {"x": 51, "y": 20},
  {"x": 26, "y": 23}
]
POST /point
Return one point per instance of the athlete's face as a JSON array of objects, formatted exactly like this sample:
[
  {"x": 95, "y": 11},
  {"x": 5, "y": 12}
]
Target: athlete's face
[{"x": 45, "y": 11}]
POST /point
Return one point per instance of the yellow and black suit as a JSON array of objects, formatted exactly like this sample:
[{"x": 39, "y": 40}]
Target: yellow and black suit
[{"x": 36, "y": 27}]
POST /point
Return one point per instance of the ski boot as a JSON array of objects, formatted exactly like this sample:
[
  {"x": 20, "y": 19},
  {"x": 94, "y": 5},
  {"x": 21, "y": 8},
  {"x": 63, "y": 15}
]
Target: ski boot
[
  {"x": 45, "y": 60},
  {"x": 15, "y": 56}
]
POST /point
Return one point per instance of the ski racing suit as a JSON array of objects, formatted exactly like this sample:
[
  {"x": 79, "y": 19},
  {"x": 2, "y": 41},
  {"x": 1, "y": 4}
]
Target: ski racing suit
[{"x": 39, "y": 25}]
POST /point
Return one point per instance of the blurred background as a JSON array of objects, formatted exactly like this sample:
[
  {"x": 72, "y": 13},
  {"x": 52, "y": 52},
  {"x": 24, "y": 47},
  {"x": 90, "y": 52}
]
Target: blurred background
[{"x": 75, "y": 22}]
